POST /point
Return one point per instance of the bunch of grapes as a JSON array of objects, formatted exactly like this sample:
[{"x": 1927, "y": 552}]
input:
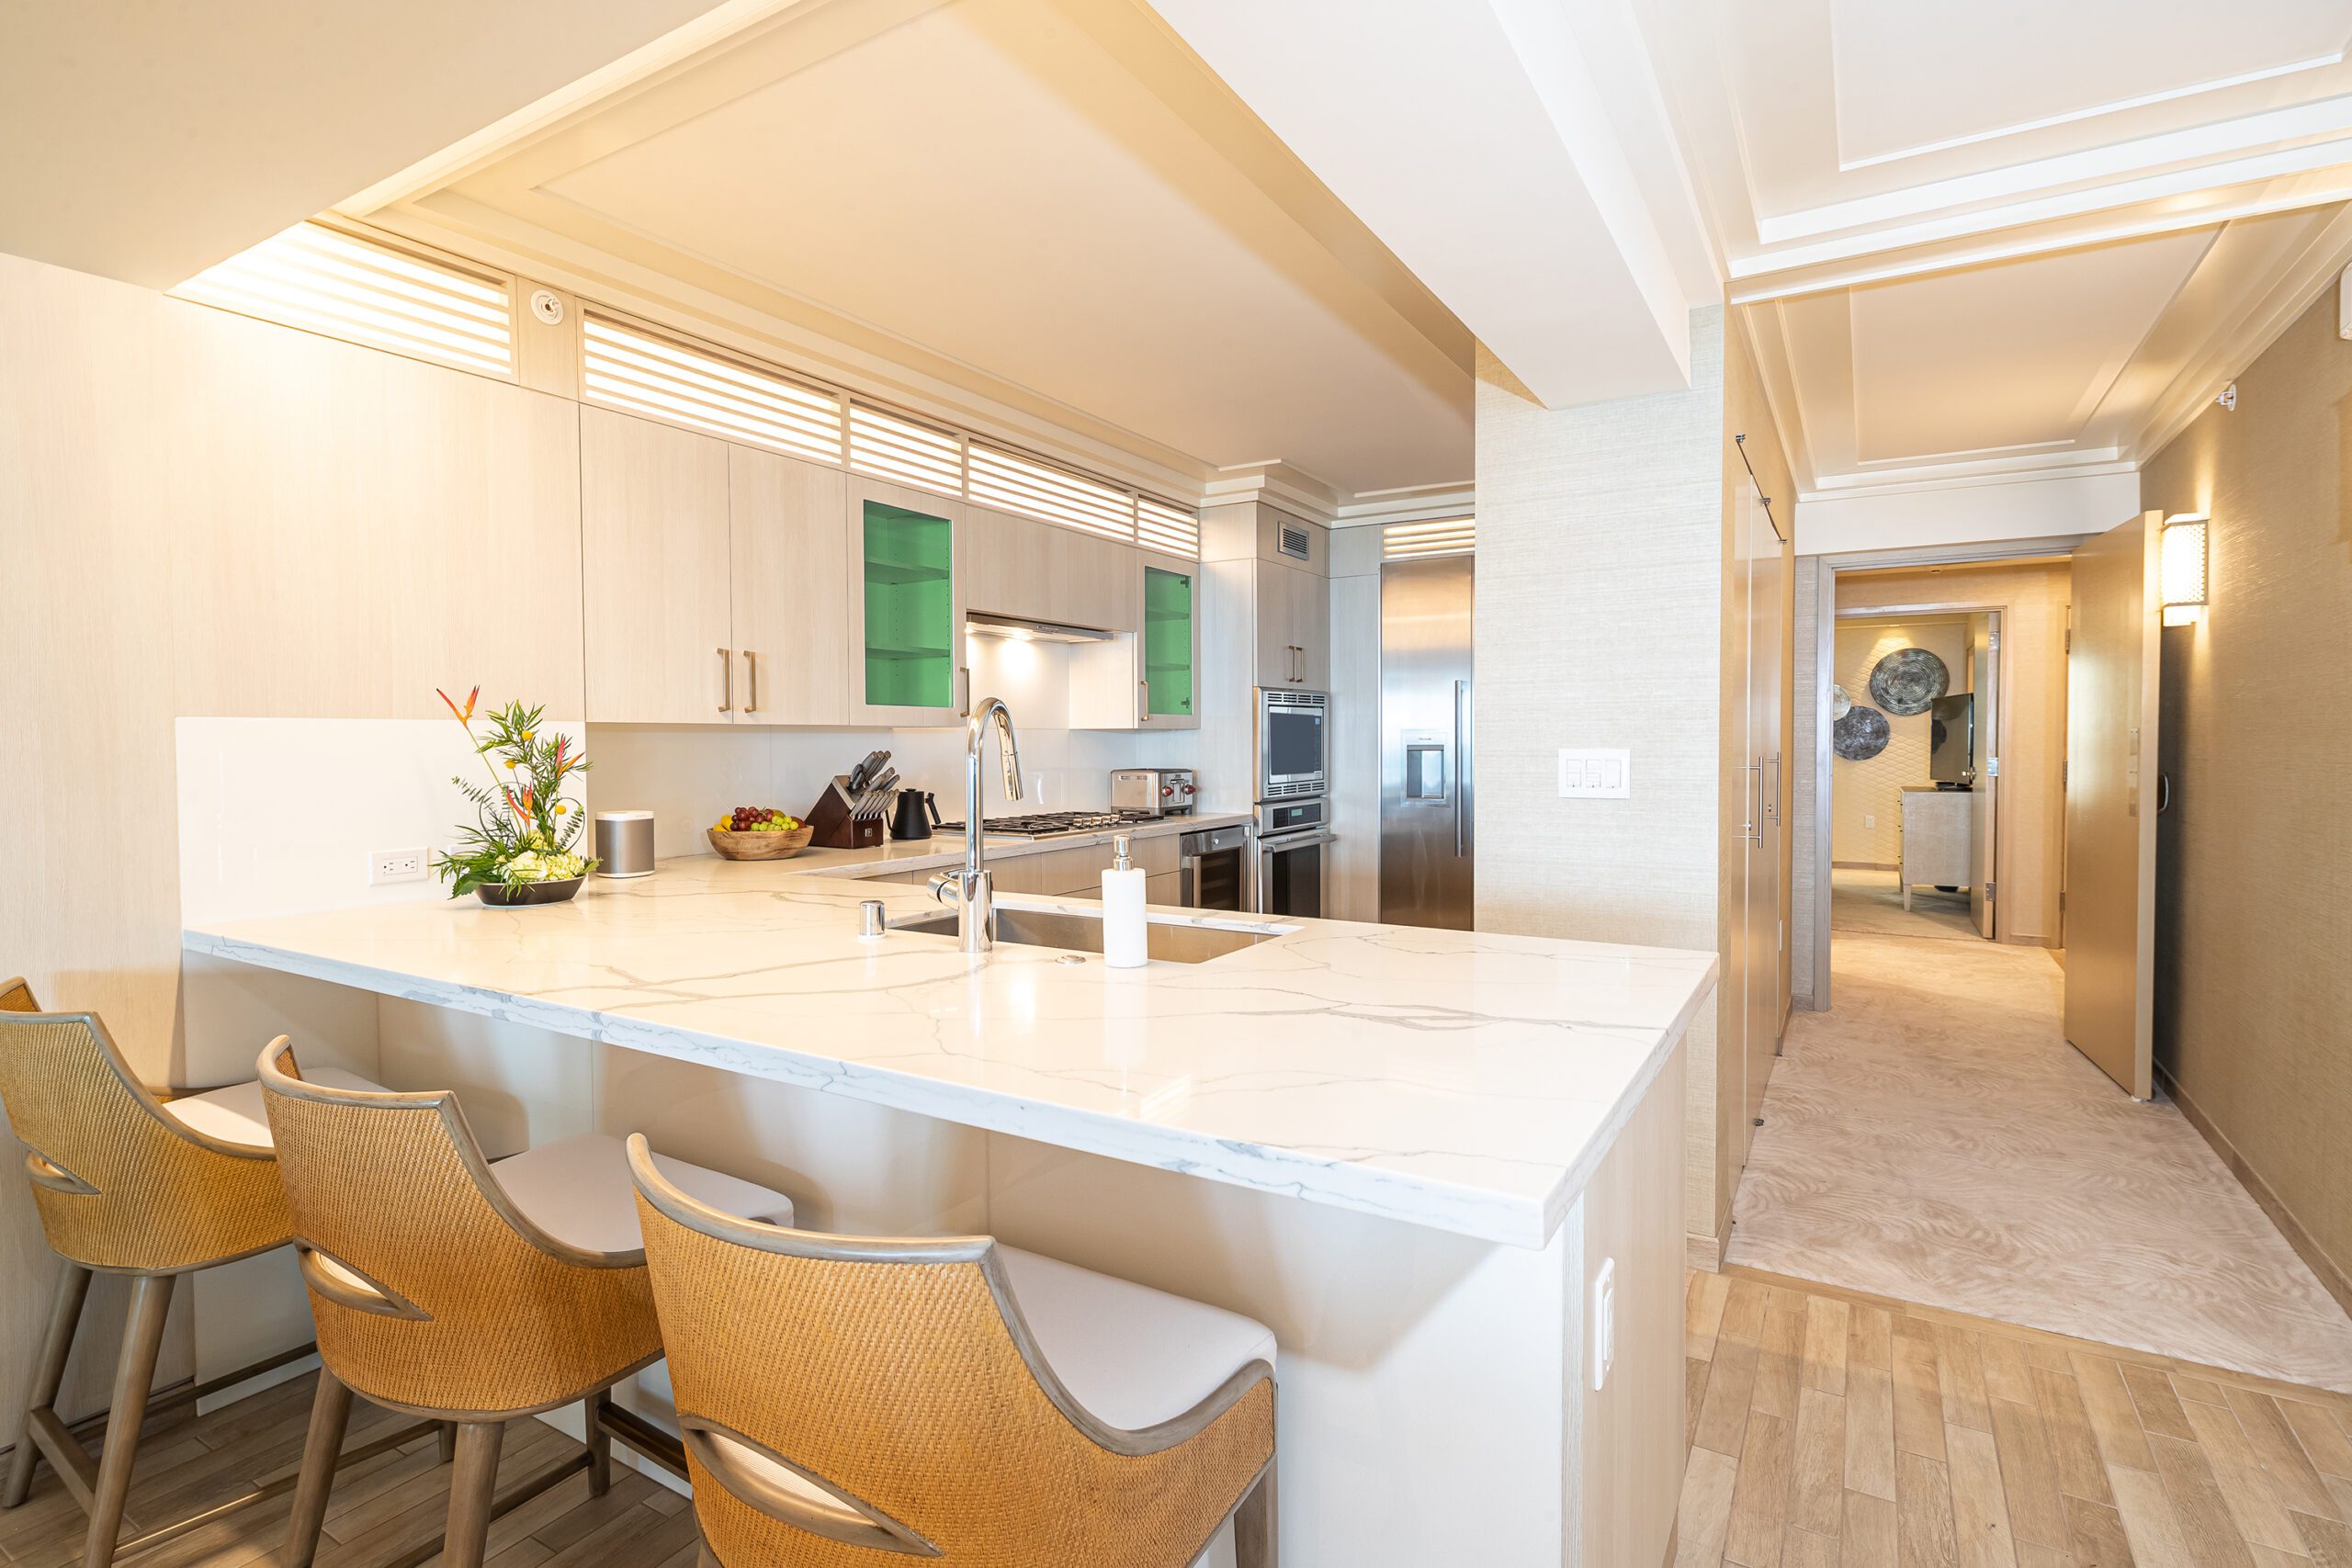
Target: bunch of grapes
[{"x": 757, "y": 819}]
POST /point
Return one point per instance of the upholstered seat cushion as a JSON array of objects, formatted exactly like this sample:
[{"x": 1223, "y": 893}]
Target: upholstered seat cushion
[
  {"x": 235, "y": 1115},
  {"x": 1133, "y": 1355},
  {"x": 578, "y": 1190}
]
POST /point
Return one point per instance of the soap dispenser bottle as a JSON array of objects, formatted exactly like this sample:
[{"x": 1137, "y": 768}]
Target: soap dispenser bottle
[{"x": 1125, "y": 936}]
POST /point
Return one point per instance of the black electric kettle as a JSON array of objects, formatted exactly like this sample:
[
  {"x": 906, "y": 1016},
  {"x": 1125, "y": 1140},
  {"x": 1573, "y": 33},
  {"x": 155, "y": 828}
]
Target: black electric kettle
[{"x": 917, "y": 813}]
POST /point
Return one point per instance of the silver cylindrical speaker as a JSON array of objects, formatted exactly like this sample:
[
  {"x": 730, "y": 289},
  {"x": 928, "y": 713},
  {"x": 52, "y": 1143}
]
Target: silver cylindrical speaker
[{"x": 625, "y": 844}]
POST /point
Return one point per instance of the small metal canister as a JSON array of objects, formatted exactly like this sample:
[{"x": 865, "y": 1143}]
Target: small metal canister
[{"x": 625, "y": 844}]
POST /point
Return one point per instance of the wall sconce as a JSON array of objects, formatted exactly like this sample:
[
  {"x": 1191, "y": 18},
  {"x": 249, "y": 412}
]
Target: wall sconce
[{"x": 2182, "y": 568}]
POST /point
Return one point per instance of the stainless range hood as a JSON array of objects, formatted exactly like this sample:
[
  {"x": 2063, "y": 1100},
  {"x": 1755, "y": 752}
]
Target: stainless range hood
[{"x": 1021, "y": 628}]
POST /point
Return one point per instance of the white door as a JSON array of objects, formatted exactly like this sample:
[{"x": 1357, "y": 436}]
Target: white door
[{"x": 2111, "y": 707}]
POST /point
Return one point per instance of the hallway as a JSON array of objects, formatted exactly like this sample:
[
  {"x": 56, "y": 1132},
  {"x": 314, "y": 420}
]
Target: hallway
[
  {"x": 1864, "y": 898},
  {"x": 1936, "y": 1140}
]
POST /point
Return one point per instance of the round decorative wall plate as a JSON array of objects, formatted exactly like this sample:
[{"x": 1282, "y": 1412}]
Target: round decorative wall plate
[
  {"x": 1840, "y": 705},
  {"x": 1860, "y": 735},
  {"x": 1907, "y": 679}
]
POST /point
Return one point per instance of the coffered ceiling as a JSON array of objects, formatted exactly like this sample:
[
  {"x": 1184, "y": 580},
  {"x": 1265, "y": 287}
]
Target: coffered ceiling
[
  {"x": 147, "y": 141},
  {"x": 1042, "y": 205},
  {"x": 2007, "y": 239}
]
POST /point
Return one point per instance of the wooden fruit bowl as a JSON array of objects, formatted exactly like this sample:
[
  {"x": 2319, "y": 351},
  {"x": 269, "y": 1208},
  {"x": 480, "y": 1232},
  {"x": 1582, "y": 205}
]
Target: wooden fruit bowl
[{"x": 760, "y": 846}]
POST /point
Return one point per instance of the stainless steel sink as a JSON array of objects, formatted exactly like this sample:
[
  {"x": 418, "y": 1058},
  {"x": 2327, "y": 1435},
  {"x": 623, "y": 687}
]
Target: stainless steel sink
[{"x": 1165, "y": 940}]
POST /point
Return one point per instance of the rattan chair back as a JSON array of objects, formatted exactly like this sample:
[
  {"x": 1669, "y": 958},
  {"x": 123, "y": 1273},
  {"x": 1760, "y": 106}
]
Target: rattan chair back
[
  {"x": 121, "y": 1185},
  {"x": 432, "y": 1293},
  {"x": 899, "y": 1377}
]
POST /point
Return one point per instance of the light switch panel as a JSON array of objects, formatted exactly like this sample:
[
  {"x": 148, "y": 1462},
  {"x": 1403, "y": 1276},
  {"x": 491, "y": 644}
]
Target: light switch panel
[{"x": 1596, "y": 774}]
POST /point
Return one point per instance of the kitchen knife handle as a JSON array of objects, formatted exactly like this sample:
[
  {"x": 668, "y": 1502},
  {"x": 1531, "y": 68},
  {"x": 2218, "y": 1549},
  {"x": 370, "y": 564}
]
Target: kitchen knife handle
[
  {"x": 727, "y": 679},
  {"x": 751, "y": 668}
]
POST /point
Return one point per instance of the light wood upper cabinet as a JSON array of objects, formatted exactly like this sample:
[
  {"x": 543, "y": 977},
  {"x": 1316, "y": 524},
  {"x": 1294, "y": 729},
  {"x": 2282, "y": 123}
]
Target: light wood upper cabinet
[
  {"x": 1008, "y": 564},
  {"x": 657, "y": 573},
  {"x": 904, "y": 585},
  {"x": 1017, "y": 565},
  {"x": 1294, "y": 627},
  {"x": 790, "y": 552},
  {"x": 1095, "y": 583}
]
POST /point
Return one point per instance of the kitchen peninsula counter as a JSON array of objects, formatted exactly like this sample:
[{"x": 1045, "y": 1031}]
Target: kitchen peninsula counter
[
  {"x": 1421, "y": 1158},
  {"x": 1454, "y": 1079}
]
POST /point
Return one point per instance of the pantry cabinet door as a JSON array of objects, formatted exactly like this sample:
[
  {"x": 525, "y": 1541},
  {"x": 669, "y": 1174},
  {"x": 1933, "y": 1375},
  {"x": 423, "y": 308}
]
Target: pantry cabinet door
[
  {"x": 656, "y": 577},
  {"x": 790, "y": 541}
]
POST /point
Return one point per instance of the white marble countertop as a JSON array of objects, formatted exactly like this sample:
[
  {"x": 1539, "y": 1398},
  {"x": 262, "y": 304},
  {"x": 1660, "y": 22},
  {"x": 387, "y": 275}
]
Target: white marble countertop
[
  {"x": 945, "y": 849},
  {"x": 1459, "y": 1080}
]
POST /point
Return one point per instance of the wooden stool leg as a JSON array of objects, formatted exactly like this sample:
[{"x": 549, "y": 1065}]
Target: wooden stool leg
[
  {"x": 49, "y": 1372},
  {"x": 134, "y": 1381},
  {"x": 330, "y": 1413},
  {"x": 600, "y": 1444},
  {"x": 1253, "y": 1524},
  {"x": 472, "y": 1487}
]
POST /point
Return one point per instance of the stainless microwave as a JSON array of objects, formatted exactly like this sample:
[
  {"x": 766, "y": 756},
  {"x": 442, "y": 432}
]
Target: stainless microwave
[{"x": 1294, "y": 744}]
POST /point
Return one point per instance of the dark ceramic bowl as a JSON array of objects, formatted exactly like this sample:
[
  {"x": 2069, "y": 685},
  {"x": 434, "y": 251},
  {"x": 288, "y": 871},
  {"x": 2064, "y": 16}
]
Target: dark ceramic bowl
[{"x": 502, "y": 896}]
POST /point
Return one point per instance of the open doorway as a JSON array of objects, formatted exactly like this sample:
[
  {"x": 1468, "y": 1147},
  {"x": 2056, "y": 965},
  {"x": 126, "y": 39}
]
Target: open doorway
[{"x": 1914, "y": 770}]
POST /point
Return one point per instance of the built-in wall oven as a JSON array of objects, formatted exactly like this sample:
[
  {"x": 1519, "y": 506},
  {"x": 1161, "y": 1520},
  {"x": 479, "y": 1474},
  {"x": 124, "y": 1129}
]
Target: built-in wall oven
[
  {"x": 1294, "y": 859},
  {"x": 1294, "y": 742}
]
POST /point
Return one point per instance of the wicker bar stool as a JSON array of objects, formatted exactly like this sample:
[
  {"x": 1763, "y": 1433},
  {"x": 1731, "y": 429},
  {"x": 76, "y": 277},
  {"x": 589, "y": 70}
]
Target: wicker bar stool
[
  {"x": 842, "y": 1397},
  {"x": 130, "y": 1183},
  {"x": 451, "y": 1288}
]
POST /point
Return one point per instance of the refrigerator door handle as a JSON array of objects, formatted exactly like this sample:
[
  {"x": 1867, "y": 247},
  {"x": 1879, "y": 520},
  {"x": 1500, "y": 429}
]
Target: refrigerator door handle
[{"x": 1463, "y": 828}]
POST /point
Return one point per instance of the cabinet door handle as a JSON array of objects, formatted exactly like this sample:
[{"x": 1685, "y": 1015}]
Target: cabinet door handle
[
  {"x": 727, "y": 679},
  {"x": 751, "y": 668}
]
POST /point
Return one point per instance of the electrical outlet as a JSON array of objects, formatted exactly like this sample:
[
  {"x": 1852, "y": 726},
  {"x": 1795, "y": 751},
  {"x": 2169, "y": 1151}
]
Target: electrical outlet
[
  {"x": 1604, "y": 1323},
  {"x": 395, "y": 865}
]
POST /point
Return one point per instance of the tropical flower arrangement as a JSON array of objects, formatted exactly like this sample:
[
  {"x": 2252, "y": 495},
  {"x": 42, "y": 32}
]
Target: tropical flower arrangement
[{"x": 524, "y": 830}]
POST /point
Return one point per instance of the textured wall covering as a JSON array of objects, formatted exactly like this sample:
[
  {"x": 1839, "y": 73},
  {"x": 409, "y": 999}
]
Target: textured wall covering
[
  {"x": 2036, "y": 596},
  {"x": 2253, "y": 887},
  {"x": 1602, "y": 583},
  {"x": 1866, "y": 811}
]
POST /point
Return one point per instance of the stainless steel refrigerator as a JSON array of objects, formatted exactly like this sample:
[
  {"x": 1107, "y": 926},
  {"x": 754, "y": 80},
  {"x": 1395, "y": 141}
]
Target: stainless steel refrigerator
[{"x": 1428, "y": 823}]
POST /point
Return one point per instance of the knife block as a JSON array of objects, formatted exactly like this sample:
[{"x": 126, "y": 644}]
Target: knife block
[{"x": 836, "y": 829}]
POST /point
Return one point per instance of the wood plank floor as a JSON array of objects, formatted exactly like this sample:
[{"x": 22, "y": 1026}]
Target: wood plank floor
[
  {"x": 1828, "y": 1429},
  {"x": 1834, "y": 1429},
  {"x": 381, "y": 1509}
]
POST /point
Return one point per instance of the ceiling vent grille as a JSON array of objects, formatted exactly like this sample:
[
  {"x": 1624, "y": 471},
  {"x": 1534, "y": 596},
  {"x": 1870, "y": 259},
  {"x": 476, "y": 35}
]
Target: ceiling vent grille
[
  {"x": 1412, "y": 541},
  {"x": 337, "y": 285},
  {"x": 1012, "y": 482},
  {"x": 1165, "y": 526},
  {"x": 625, "y": 367},
  {"x": 890, "y": 447}
]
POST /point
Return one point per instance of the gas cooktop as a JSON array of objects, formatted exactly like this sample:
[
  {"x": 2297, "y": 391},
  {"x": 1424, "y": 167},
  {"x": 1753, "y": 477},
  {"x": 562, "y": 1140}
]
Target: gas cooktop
[{"x": 1053, "y": 824}]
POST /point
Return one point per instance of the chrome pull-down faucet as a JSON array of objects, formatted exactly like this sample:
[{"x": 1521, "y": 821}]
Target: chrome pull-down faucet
[{"x": 975, "y": 896}]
